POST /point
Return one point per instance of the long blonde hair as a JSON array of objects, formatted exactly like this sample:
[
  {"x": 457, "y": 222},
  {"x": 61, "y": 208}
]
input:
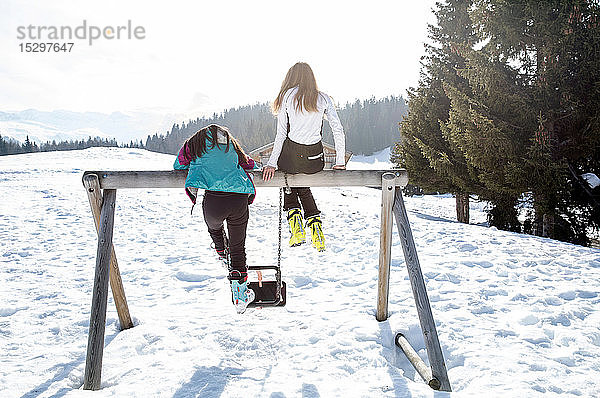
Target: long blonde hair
[{"x": 300, "y": 75}]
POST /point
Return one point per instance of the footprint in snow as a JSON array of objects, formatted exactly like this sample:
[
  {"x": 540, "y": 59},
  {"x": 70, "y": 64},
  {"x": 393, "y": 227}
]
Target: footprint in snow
[
  {"x": 302, "y": 281},
  {"x": 586, "y": 294},
  {"x": 482, "y": 264},
  {"x": 467, "y": 247},
  {"x": 553, "y": 301},
  {"x": 484, "y": 309},
  {"x": 189, "y": 277},
  {"x": 561, "y": 319},
  {"x": 529, "y": 320},
  {"x": 11, "y": 311},
  {"x": 505, "y": 333}
]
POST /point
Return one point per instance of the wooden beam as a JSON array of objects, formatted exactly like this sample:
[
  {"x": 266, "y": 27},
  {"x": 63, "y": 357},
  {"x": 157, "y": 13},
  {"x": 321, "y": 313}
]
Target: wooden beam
[
  {"x": 416, "y": 361},
  {"x": 434, "y": 351},
  {"x": 385, "y": 244},
  {"x": 176, "y": 179},
  {"x": 95, "y": 349},
  {"x": 94, "y": 193}
]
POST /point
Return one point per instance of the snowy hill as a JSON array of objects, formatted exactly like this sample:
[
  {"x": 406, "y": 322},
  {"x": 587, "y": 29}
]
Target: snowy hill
[
  {"x": 517, "y": 315},
  {"x": 378, "y": 161},
  {"x": 62, "y": 125}
]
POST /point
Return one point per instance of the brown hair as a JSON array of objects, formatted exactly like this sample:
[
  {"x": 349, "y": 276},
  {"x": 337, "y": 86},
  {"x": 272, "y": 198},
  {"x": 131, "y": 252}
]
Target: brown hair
[
  {"x": 300, "y": 75},
  {"x": 207, "y": 138}
]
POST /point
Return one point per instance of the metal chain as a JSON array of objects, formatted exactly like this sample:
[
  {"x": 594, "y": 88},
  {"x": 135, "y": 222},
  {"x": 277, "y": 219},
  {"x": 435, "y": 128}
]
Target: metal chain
[
  {"x": 278, "y": 272},
  {"x": 280, "y": 211},
  {"x": 227, "y": 251},
  {"x": 288, "y": 190}
]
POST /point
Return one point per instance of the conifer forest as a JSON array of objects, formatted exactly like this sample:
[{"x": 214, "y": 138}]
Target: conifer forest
[{"x": 507, "y": 111}]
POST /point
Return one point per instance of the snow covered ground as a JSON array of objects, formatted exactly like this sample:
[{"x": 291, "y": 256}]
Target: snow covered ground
[
  {"x": 517, "y": 316},
  {"x": 378, "y": 161}
]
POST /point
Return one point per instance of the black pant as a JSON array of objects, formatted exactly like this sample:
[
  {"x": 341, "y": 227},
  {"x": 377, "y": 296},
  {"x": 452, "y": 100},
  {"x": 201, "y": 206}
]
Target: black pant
[
  {"x": 233, "y": 207},
  {"x": 304, "y": 196}
]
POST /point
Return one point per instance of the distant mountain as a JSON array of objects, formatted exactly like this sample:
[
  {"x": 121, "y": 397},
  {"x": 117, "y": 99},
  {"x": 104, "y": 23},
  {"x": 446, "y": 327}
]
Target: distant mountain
[
  {"x": 370, "y": 125},
  {"x": 62, "y": 125}
]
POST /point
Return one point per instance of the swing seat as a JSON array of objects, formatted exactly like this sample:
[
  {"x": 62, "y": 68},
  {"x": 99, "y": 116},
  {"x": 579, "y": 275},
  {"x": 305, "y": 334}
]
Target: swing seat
[
  {"x": 268, "y": 293},
  {"x": 266, "y": 296}
]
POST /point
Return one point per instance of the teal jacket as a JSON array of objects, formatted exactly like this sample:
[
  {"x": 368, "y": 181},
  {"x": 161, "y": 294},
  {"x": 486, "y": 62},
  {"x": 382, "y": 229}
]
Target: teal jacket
[{"x": 216, "y": 170}]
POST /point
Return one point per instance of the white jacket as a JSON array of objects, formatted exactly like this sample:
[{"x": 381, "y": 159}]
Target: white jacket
[{"x": 305, "y": 127}]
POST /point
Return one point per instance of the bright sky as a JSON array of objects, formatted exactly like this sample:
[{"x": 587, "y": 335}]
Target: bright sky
[{"x": 203, "y": 56}]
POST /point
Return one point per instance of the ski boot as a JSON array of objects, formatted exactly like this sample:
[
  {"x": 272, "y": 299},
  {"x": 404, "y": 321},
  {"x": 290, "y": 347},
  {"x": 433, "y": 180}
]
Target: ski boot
[
  {"x": 296, "y": 229},
  {"x": 316, "y": 230},
  {"x": 241, "y": 294}
]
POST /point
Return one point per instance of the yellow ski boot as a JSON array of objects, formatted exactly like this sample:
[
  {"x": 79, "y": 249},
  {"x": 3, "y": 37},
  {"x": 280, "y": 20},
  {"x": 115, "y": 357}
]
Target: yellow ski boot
[
  {"x": 296, "y": 229},
  {"x": 316, "y": 230}
]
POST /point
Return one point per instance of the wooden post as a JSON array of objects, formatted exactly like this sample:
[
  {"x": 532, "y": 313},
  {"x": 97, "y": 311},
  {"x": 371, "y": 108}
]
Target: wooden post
[
  {"x": 93, "y": 363},
  {"x": 416, "y": 361},
  {"x": 92, "y": 187},
  {"x": 385, "y": 244},
  {"x": 434, "y": 351}
]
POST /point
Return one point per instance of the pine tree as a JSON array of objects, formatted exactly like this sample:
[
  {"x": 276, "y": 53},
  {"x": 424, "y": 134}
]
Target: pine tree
[
  {"x": 551, "y": 53},
  {"x": 28, "y": 146},
  {"x": 490, "y": 122},
  {"x": 432, "y": 159},
  {"x": 516, "y": 108},
  {"x": 3, "y": 146}
]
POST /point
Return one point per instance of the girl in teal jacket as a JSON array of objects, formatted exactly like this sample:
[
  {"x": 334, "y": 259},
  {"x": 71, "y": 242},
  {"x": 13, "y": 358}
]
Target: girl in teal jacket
[{"x": 217, "y": 164}]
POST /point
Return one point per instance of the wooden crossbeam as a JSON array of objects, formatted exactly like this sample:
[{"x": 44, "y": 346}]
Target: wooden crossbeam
[{"x": 176, "y": 179}]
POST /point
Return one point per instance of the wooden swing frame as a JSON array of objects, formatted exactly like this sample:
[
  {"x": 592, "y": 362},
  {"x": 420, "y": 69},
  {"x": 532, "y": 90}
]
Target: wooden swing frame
[{"x": 101, "y": 188}]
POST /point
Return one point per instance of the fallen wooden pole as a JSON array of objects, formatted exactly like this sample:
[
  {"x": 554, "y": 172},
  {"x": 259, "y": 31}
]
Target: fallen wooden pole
[
  {"x": 94, "y": 192},
  {"x": 93, "y": 362},
  {"x": 416, "y": 361},
  {"x": 434, "y": 350}
]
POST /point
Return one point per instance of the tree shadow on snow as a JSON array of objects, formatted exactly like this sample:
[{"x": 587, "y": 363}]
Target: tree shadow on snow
[
  {"x": 210, "y": 382},
  {"x": 207, "y": 382},
  {"x": 431, "y": 218},
  {"x": 310, "y": 391},
  {"x": 63, "y": 370}
]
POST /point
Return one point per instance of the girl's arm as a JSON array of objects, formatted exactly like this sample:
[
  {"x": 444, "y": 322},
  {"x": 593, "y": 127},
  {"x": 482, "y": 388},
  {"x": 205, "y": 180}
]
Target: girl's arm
[
  {"x": 182, "y": 161},
  {"x": 282, "y": 121},
  {"x": 248, "y": 164},
  {"x": 339, "y": 137}
]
